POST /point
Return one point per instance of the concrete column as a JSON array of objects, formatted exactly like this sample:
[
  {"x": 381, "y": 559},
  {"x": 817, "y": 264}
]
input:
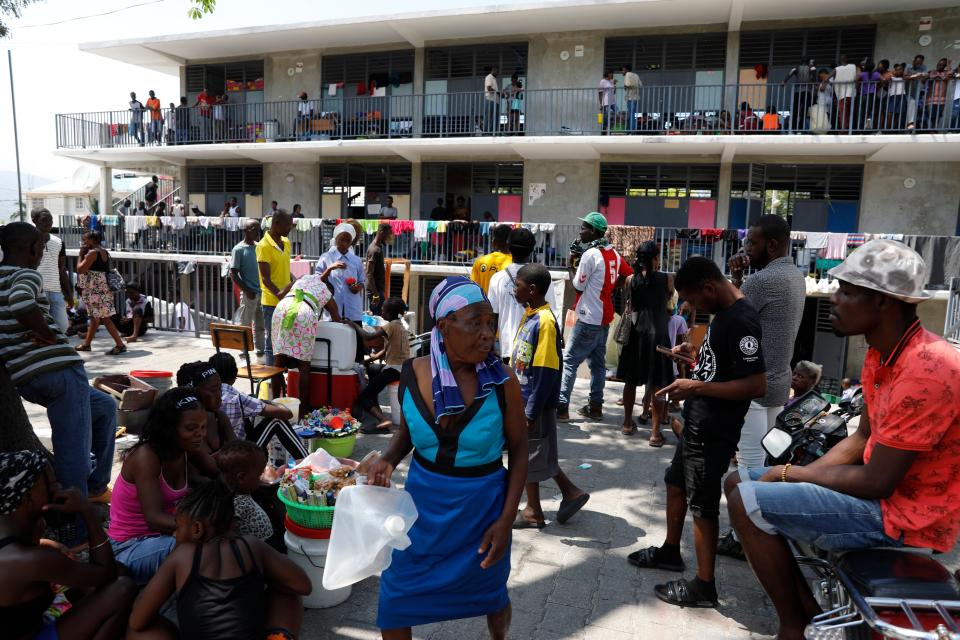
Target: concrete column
[
  {"x": 415, "y": 185},
  {"x": 724, "y": 184},
  {"x": 419, "y": 85},
  {"x": 106, "y": 190},
  {"x": 731, "y": 72}
]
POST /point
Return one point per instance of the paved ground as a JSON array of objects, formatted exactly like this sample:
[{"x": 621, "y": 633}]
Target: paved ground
[{"x": 568, "y": 581}]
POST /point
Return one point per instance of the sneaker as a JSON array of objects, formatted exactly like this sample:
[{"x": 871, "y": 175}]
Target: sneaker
[
  {"x": 729, "y": 546},
  {"x": 563, "y": 414}
]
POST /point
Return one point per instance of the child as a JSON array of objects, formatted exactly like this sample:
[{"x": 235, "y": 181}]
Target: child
[
  {"x": 153, "y": 479},
  {"x": 395, "y": 352},
  {"x": 28, "y": 490},
  {"x": 241, "y": 463},
  {"x": 206, "y": 382},
  {"x": 537, "y": 358},
  {"x": 227, "y": 587}
]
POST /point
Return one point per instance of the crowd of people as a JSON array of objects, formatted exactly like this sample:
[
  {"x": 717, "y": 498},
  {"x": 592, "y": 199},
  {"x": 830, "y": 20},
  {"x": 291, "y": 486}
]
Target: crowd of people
[{"x": 186, "y": 520}]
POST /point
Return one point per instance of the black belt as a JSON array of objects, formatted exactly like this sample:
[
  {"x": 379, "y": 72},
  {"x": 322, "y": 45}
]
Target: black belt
[{"x": 459, "y": 472}]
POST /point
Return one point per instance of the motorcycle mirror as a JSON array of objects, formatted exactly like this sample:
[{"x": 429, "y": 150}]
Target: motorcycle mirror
[{"x": 777, "y": 442}]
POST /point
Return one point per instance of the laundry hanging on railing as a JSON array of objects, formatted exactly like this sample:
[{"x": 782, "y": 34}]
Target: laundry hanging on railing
[
  {"x": 817, "y": 240},
  {"x": 626, "y": 239},
  {"x": 109, "y": 221},
  {"x": 856, "y": 239},
  {"x": 401, "y": 226},
  {"x": 836, "y": 246},
  {"x": 420, "y": 229}
]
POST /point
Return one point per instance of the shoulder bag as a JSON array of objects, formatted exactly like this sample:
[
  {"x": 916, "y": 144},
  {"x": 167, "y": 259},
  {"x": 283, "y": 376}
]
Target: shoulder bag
[{"x": 625, "y": 327}]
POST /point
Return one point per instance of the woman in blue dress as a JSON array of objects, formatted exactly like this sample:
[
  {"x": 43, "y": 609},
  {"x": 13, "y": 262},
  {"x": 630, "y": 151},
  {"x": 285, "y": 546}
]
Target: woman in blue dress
[{"x": 459, "y": 407}]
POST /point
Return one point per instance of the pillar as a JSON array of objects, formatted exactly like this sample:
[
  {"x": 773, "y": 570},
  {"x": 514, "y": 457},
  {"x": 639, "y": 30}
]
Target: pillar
[
  {"x": 731, "y": 73},
  {"x": 419, "y": 85},
  {"x": 724, "y": 184},
  {"x": 415, "y": 185},
  {"x": 106, "y": 190}
]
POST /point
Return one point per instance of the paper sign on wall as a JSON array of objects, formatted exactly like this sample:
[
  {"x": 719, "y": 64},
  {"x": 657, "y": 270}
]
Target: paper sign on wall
[
  {"x": 536, "y": 191},
  {"x": 671, "y": 203},
  {"x": 578, "y": 51},
  {"x": 926, "y": 23}
]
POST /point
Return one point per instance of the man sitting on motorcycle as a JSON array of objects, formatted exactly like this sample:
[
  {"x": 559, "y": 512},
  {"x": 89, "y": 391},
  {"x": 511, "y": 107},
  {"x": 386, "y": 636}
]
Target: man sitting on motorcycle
[{"x": 894, "y": 481}]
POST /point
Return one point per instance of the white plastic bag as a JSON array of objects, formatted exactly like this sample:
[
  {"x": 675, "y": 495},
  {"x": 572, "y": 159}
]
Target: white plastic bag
[{"x": 370, "y": 522}]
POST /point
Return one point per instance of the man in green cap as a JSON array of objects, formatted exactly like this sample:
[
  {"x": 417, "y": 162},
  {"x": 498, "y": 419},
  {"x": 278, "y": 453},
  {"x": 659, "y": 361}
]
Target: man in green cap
[{"x": 600, "y": 270}]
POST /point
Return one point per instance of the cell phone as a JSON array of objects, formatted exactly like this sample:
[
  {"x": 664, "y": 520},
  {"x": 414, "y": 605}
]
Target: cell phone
[{"x": 675, "y": 356}]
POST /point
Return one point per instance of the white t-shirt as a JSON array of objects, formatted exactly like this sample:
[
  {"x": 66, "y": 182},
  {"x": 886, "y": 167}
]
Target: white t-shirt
[
  {"x": 631, "y": 85},
  {"x": 595, "y": 278},
  {"x": 182, "y": 311},
  {"x": 178, "y": 210},
  {"x": 508, "y": 310},
  {"x": 844, "y": 80},
  {"x": 897, "y": 86},
  {"x": 490, "y": 87},
  {"x": 235, "y": 212},
  {"x": 606, "y": 87}
]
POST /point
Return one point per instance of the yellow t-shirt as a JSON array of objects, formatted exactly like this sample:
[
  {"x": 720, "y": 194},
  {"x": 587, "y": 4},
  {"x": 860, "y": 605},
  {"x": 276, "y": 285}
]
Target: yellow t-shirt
[
  {"x": 279, "y": 260},
  {"x": 485, "y": 266}
]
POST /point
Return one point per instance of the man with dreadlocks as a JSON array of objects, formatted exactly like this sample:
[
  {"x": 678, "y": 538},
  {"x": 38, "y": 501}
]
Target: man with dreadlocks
[
  {"x": 29, "y": 567},
  {"x": 599, "y": 271}
]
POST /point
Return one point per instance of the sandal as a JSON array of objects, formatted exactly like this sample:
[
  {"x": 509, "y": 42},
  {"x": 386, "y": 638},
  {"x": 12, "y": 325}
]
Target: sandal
[
  {"x": 82, "y": 347},
  {"x": 656, "y": 441},
  {"x": 522, "y": 523},
  {"x": 647, "y": 559},
  {"x": 569, "y": 508},
  {"x": 643, "y": 419},
  {"x": 629, "y": 429},
  {"x": 116, "y": 351},
  {"x": 683, "y": 593}
]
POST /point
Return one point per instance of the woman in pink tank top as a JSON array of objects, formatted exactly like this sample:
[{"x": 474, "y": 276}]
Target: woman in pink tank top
[{"x": 153, "y": 479}]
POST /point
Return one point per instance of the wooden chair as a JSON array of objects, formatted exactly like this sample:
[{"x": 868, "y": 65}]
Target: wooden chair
[{"x": 240, "y": 338}]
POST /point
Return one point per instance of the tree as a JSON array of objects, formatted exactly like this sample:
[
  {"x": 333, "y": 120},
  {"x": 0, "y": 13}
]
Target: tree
[
  {"x": 201, "y": 7},
  {"x": 13, "y": 9}
]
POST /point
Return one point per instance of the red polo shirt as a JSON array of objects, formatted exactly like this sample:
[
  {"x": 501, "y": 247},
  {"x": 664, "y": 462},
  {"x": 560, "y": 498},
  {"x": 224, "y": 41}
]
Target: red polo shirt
[{"x": 913, "y": 402}]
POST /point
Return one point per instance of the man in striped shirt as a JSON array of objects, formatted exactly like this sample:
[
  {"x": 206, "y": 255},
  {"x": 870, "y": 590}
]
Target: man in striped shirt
[{"x": 49, "y": 372}]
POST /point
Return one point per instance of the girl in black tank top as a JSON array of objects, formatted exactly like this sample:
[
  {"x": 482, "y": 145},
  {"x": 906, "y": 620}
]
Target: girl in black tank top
[{"x": 226, "y": 585}]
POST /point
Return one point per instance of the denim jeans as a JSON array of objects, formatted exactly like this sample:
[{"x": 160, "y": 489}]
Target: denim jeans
[
  {"x": 812, "y": 514},
  {"x": 144, "y": 555},
  {"x": 156, "y": 130},
  {"x": 58, "y": 309},
  {"x": 587, "y": 341},
  {"x": 955, "y": 118},
  {"x": 632, "y": 115},
  {"x": 268, "y": 337},
  {"x": 491, "y": 116},
  {"x": 136, "y": 131},
  {"x": 83, "y": 421}
]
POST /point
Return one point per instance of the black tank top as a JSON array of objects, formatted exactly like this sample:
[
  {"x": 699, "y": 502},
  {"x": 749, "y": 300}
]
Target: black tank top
[
  {"x": 23, "y": 620},
  {"x": 650, "y": 302},
  {"x": 231, "y": 609}
]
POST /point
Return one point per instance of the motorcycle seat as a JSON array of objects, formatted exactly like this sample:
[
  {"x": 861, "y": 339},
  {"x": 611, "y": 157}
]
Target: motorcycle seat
[{"x": 895, "y": 573}]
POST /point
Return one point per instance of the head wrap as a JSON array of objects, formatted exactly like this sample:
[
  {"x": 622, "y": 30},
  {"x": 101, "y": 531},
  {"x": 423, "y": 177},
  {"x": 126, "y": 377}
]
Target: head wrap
[
  {"x": 19, "y": 470},
  {"x": 452, "y": 294},
  {"x": 187, "y": 402},
  {"x": 201, "y": 376},
  {"x": 343, "y": 227}
]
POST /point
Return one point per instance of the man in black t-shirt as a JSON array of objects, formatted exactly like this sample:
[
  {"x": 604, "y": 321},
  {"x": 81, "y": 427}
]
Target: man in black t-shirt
[
  {"x": 376, "y": 268},
  {"x": 729, "y": 373}
]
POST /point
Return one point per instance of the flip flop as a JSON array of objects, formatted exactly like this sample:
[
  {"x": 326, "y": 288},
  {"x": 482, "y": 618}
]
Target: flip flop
[
  {"x": 629, "y": 430},
  {"x": 116, "y": 351},
  {"x": 81, "y": 347},
  {"x": 682, "y": 594},
  {"x": 569, "y": 508},
  {"x": 522, "y": 523},
  {"x": 647, "y": 559},
  {"x": 656, "y": 443}
]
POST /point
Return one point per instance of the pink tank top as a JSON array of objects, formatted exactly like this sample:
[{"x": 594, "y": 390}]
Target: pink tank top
[{"x": 126, "y": 514}]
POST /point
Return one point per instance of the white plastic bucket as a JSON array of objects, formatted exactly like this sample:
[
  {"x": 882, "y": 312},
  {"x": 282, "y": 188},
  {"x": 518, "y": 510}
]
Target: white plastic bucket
[
  {"x": 311, "y": 555},
  {"x": 290, "y": 403}
]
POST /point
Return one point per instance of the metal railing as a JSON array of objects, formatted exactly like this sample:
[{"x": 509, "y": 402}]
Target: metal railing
[
  {"x": 951, "y": 326},
  {"x": 891, "y": 106}
]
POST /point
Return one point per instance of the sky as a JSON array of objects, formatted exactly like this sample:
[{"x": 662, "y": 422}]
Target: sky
[{"x": 53, "y": 76}]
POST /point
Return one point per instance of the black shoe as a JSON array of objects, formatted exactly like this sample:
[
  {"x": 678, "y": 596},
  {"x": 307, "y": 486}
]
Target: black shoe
[
  {"x": 729, "y": 546},
  {"x": 563, "y": 414}
]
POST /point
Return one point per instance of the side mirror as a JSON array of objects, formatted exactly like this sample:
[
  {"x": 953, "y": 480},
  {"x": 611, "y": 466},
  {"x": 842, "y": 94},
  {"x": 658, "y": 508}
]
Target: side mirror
[{"x": 777, "y": 442}]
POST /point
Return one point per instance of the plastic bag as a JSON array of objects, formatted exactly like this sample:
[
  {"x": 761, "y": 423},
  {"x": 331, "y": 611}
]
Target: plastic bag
[{"x": 370, "y": 523}]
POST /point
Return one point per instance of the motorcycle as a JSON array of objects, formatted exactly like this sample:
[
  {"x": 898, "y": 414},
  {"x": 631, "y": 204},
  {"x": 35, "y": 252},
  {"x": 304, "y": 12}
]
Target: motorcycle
[{"x": 867, "y": 593}]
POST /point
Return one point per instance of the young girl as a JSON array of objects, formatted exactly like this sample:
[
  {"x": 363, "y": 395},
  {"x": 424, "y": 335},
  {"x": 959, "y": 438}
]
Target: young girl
[
  {"x": 241, "y": 463},
  {"x": 228, "y": 587},
  {"x": 153, "y": 479},
  {"x": 205, "y": 380},
  {"x": 396, "y": 351}
]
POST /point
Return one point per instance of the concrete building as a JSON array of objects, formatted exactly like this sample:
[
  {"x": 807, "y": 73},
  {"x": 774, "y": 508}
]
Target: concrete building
[{"x": 79, "y": 194}]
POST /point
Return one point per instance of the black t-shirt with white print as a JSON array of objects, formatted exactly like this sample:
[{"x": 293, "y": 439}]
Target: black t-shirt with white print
[{"x": 730, "y": 351}]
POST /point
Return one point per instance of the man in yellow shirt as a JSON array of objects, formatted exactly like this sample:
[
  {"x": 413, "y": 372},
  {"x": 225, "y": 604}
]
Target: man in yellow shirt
[
  {"x": 485, "y": 266},
  {"x": 273, "y": 261}
]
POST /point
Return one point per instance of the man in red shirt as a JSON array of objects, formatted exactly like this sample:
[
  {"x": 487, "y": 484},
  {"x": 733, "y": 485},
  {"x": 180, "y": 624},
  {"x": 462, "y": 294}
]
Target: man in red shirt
[
  {"x": 893, "y": 482},
  {"x": 205, "y": 101}
]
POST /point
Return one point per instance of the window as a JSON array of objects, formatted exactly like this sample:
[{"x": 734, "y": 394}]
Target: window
[
  {"x": 783, "y": 49},
  {"x": 219, "y": 184},
  {"x": 472, "y": 61},
  {"x": 659, "y": 181},
  {"x": 670, "y": 60},
  {"x": 242, "y": 82},
  {"x": 78, "y": 204},
  {"x": 363, "y": 182},
  {"x": 389, "y": 69}
]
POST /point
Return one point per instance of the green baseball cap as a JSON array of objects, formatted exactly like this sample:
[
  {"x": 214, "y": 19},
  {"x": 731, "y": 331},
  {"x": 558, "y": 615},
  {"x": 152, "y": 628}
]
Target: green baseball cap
[{"x": 595, "y": 220}]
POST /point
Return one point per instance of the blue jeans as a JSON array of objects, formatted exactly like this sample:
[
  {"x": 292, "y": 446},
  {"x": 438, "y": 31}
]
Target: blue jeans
[
  {"x": 136, "y": 131},
  {"x": 58, "y": 309},
  {"x": 812, "y": 514},
  {"x": 143, "y": 556},
  {"x": 955, "y": 118},
  {"x": 491, "y": 116},
  {"x": 587, "y": 341},
  {"x": 83, "y": 421},
  {"x": 268, "y": 334},
  {"x": 632, "y": 114},
  {"x": 156, "y": 130}
]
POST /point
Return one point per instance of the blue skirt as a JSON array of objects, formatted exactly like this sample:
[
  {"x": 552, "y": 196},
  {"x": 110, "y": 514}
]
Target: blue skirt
[{"x": 438, "y": 577}]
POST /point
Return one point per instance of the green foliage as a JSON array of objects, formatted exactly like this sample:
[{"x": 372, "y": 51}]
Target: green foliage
[
  {"x": 201, "y": 7},
  {"x": 10, "y": 9}
]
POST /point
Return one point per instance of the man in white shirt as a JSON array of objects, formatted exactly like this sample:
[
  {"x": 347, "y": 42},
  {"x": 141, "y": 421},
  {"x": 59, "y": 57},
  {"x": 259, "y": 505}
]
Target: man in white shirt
[
  {"x": 844, "y": 79},
  {"x": 508, "y": 311},
  {"x": 608, "y": 86},
  {"x": 183, "y": 316},
  {"x": 234, "y": 208},
  {"x": 178, "y": 210},
  {"x": 491, "y": 101},
  {"x": 631, "y": 91},
  {"x": 271, "y": 211},
  {"x": 388, "y": 211},
  {"x": 136, "y": 118}
]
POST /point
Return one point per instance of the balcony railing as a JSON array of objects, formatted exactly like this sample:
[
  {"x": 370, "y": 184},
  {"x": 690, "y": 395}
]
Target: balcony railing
[
  {"x": 455, "y": 243},
  {"x": 756, "y": 109}
]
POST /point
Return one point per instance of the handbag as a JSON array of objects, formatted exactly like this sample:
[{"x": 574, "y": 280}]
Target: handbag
[
  {"x": 625, "y": 327},
  {"x": 115, "y": 281}
]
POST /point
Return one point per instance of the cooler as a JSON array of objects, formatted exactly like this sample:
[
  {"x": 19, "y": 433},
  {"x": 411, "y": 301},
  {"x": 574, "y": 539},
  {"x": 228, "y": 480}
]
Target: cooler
[
  {"x": 336, "y": 346},
  {"x": 339, "y": 390}
]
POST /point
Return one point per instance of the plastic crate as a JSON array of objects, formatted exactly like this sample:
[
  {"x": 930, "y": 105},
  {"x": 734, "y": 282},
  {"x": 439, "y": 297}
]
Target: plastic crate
[{"x": 307, "y": 516}]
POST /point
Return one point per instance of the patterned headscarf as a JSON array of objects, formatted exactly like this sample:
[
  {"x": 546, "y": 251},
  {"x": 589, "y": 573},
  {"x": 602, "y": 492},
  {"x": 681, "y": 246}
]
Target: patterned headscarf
[
  {"x": 453, "y": 294},
  {"x": 19, "y": 470}
]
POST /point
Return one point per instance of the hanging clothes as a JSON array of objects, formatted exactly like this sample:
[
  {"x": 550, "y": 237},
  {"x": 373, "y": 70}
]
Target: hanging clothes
[
  {"x": 836, "y": 246},
  {"x": 304, "y": 225},
  {"x": 420, "y": 229},
  {"x": 856, "y": 239},
  {"x": 816, "y": 240},
  {"x": 711, "y": 234},
  {"x": 798, "y": 235},
  {"x": 626, "y": 239}
]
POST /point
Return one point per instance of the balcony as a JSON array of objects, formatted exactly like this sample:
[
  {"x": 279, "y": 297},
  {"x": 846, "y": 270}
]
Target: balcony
[{"x": 765, "y": 113}]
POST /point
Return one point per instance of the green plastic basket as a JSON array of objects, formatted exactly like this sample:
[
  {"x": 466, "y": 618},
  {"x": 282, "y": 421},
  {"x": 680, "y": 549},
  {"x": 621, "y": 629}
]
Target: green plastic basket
[
  {"x": 307, "y": 516},
  {"x": 337, "y": 447}
]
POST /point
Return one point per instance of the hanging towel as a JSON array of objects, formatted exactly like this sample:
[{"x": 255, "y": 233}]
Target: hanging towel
[
  {"x": 420, "y": 229},
  {"x": 109, "y": 221},
  {"x": 547, "y": 227},
  {"x": 441, "y": 226},
  {"x": 152, "y": 221},
  {"x": 816, "y": 240},
  {"x": 836, "y": 246},
  {"x": 134, "y": 224},
  {"x": 230, "y": 224},
  {"x": 432, "y": 226},
  {"x": 205, "y": 222},
  {"x": 711, "y": 234},
  {"x": 304, "y": 224},
  {"x": 856, "y": 239},
  {"x": 178, "y": 222},
  {"x": 401, "y": 226},
  {"x": 299, "y": 268}
]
